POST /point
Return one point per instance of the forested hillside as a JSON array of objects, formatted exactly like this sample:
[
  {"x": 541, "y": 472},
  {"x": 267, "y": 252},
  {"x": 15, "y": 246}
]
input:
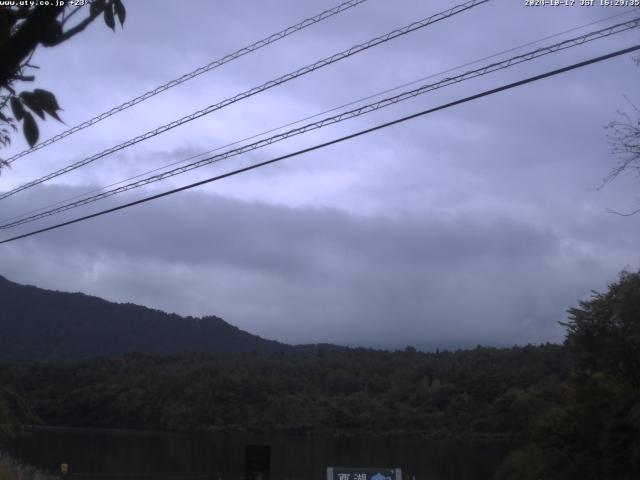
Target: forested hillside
[
  {"x": 595, "y": 435},
  {"x": 481, "y": 391},
  {"x": 44, "y": 325}
]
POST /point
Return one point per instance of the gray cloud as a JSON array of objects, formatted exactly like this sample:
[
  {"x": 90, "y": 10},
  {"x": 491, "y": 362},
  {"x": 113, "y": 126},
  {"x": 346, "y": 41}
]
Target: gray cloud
[
  {"x": 311, "y": 274},
  {"x": 481, "y": 223}
]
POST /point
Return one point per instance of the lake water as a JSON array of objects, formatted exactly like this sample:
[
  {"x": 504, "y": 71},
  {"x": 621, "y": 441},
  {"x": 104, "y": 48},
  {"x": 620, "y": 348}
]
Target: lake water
[{"x": 125, "y": 455}]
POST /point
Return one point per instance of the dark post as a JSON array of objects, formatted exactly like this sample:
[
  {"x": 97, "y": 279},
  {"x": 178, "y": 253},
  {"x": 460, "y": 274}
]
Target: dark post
[{"x": 258, "y": 462}]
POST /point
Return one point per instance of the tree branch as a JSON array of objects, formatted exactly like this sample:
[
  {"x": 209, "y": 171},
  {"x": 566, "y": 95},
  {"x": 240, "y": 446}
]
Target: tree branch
[
  {"x": 628, "y": 214},
  {"x": 32, "y": 31},
  {"x": 24, "y": 78},
  {"x": 73, "y": 12},
  {"x": 79, "y": 27}
]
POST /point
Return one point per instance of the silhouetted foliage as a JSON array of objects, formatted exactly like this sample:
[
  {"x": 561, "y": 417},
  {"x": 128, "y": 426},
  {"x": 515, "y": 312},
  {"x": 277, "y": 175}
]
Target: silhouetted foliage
[
  {"x": 596, "y": 433},
  {"x": 23, "y": 28}
]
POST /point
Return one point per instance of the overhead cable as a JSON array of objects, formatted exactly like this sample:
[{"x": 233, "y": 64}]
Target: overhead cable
[
  {"x": 188, "y": 76},
  {"x": 315, "y": 115},
  {"x": 605, "y": 32},
  {"x": 331, "y": 142},
  {"x": 265, "y": 86}
]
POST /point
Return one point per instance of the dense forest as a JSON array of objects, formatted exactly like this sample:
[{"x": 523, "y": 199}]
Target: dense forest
[{"x": 481, "y": 391}]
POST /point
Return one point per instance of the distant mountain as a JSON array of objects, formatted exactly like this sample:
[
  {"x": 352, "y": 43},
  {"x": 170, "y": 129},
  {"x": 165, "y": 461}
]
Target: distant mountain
[{"x": 45, "y": 325}]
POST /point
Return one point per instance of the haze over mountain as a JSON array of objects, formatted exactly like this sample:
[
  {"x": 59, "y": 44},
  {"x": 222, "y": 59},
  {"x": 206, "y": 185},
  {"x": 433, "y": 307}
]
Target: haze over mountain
[{"x": 44, "y": 325}]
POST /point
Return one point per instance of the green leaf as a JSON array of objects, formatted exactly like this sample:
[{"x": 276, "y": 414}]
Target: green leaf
[
  {"x": 17, "y": 108},
  {"x": 108, "y": 17},
  {"x": 121, "y": 12},
  {"x": 30, "y": 129}
]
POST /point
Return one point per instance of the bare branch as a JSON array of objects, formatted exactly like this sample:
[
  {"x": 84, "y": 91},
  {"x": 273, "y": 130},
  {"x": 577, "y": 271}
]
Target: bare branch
[
  {"x": 625, "y": 143},
  {"x": 24, "y": 78},
  {"x": 628, "y": 214}
]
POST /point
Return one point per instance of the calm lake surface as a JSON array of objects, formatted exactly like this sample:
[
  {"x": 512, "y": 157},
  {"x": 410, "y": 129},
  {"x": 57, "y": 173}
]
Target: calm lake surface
[{"x": 118, "y": 453}]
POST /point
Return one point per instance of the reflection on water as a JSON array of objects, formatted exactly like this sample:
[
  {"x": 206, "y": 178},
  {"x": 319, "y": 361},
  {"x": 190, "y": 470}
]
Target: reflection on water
[{"x": 213, "y": 455}]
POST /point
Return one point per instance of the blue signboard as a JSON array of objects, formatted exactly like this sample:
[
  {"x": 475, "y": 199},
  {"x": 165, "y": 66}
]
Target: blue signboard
[{"x": 344, "y": 473}]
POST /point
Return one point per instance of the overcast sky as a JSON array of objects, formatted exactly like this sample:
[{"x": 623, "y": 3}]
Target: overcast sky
[{"x": 481, "y": 223}]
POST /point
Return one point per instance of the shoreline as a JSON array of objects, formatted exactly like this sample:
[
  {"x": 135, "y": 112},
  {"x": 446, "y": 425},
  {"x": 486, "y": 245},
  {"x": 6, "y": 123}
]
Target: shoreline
[{"x": 475, "y": 437}]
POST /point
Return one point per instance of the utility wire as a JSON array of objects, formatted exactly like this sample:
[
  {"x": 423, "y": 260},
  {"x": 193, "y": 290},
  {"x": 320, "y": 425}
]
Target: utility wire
[
  {"x": 332, "y": 142},
  {"x": 188, "y": 76},
  {"x": 265, "y": 86},
  {"x": 315, "y": 115},
  {"x": 605, "y": 32}
]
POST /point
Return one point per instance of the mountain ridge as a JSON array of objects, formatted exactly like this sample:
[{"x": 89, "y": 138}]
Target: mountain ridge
[{"x": 38, "y": 324}]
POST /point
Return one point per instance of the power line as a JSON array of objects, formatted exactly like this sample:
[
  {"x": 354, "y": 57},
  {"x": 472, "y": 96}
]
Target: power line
[
  {"x": 199, "y": 71},
  {"x": 332, "y": 142},
  {"x": 605, "y": 32},
  {"x": 265, "y": 86},
  {"x": 341, "y": 117},
  {"x": 315, "y": 115}
]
